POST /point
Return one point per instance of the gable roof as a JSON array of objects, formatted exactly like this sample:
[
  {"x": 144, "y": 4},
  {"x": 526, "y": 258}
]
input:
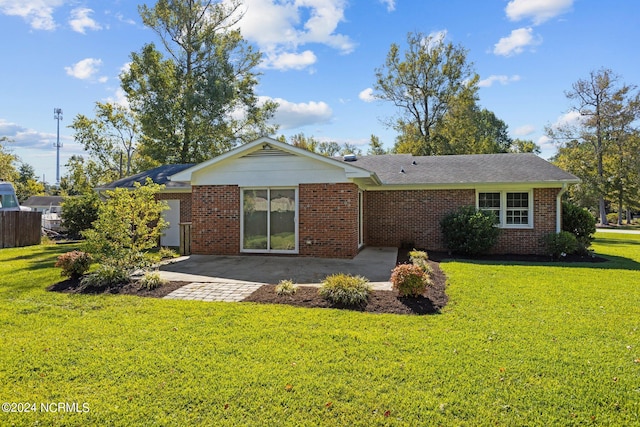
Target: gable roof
[
  {"x": 271, "y": 145},
  {"x": 505, "y": 168},
  {"x": 159, "y": 175}
]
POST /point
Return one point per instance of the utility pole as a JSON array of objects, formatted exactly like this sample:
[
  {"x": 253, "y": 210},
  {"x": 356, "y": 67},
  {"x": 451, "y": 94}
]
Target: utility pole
[{"x": 57, "y": 115}]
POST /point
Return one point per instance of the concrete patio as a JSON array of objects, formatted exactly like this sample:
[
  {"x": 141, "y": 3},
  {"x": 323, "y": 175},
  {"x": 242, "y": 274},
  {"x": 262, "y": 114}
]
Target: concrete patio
[{"x": 232, "y": 278}]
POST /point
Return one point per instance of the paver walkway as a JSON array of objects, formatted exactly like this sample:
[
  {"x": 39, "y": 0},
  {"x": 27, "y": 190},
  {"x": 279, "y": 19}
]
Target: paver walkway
[{"x": 211, "y": 291}]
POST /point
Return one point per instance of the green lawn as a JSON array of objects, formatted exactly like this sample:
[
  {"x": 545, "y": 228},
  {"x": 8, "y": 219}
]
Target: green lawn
[{"x": 518, "y": 344}]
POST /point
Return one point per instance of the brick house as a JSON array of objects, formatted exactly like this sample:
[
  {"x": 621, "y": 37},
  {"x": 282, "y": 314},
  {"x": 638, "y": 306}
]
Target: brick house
[{"x": 270, "y": 197}]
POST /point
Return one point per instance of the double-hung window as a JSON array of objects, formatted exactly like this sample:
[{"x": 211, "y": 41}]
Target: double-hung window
[{"x": 514, "y": 209}]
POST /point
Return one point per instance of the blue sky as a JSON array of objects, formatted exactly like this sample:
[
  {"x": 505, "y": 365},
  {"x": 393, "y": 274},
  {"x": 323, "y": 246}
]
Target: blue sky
[{"x": 320, "y": 58}]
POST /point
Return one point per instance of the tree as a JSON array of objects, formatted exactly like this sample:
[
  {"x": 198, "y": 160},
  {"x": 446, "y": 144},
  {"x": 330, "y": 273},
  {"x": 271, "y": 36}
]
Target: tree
[
  {"x": 607, "y": 111},
  {"x": 111, "y": 139},
  {"x": 129, "y": 223},
  {"x": 424, "y": 84},
  {"x": 27, "y": 184},
  {"x": 82, "y": 176},
  {"x": 79, "y": 213},
  {"x": 524, "y": 146},
  {"x": 199, "y": 101},
  {"x": 8, "y": 171},
  {"x": 468, "y": 129},
  {"x": 375, "y": 146}
]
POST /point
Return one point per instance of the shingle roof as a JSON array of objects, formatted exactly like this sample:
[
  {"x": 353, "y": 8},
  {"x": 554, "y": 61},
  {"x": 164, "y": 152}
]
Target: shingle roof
[
  {"x": 34, "y": 201},
  {"x": 405, "y": 169},
  {"x": 159, "y": 175}
]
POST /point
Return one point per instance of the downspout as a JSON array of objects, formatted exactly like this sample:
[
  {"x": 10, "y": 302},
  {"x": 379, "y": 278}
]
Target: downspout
[{"x": 559, "y": 207}]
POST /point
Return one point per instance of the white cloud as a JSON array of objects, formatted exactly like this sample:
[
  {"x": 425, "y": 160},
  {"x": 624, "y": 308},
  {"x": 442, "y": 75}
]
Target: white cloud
[
  {"x": 570, "y": 119},
  {"x": 524, "y": 130},
  {"x": 391, "y": 4},
  {"x": 502, "y": 79},
  {"x": 516, "y": 42},
  {"x": 81, "y": 21},
  {"x": 290, "y": 115},
  {"x": 119, "y": 97},
  {"x": 538, "y": 10},
  {"x": 367, "y": 95},
  {"x": 39, "y": 13},
  {"x": 288, "y": 61},
  {"x": 26, "y": 138},
  {"x": 84, "y": 69},
  {"x": 281, "y": 28}
]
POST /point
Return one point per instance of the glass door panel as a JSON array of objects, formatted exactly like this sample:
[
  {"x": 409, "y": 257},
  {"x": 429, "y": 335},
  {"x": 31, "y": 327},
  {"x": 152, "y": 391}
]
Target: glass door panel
[
  {"x": 255, "y": 212},
  {"x": 282, "y": 219}
]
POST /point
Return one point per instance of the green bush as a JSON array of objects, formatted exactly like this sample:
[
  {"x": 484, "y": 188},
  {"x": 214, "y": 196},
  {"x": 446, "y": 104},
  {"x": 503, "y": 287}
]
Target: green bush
[
  {"x": 345, "y": 289},
  {"x": 106, "y": 275},
  {"x": 151, "y": 280},
  {"x": 469, "y": 231},
  {"x": 612, "y": 218},
  {"x": 74, "y": 264},
  {"x": 410, "y": 279},
  {"x": 79, "y": 213},
  {"x": 285, "y": 288},
  {"x": 579, "y": 222},
  {"x": 560, "y": 244},
  {"x": 420, "y": 258}
]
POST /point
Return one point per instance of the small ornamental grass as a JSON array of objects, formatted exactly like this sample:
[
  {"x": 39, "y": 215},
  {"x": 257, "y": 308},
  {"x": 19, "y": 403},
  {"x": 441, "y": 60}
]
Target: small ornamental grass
[
  {"x": 151, "y": 280},
  {"x": 420, "y": 258},
  {"x": 106, "y": 275},
  {"x": 74, "y": 264},
  {"x": 345, "y": 289},
  {"x": 410, "y": 279},
  {"x": 286, "y": 288}
]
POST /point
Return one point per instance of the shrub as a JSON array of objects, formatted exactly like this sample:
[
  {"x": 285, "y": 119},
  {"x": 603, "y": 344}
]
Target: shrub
[
  {"x": 106, "y": 275},
  {"x": 410, "y": 279},
  {"x": 151, "y": 280},
  {"x": 560, "y": 244},
  {"x": 469, "y": 231},
  {"x": 285, "y": 288},
  {"x": 79, "y": 213},
  {"x": 345, "y": 289},
  {"x": 579, "y": 222},
  {"x": 420, "y": 259},
  {"x": 74, "y": 264},
  {"x": 612, "y": 218}
]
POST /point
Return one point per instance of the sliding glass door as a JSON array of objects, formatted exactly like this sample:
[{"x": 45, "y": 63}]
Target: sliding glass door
[{"x": 269, "y": 220}]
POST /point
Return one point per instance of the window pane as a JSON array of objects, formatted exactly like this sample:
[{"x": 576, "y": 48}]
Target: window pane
[
  {"x": 255, "y": 219},
  {"x": 517, "y": 200},
  {"x": 282, "y": 219},
  {"x": 489, "y": 200}
]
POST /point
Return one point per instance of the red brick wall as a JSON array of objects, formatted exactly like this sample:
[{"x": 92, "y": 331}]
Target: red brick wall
[
  {"x": 215, "y": 222},
  {"x": 527, "y": 241},
  {"x": 185, "y": 203},
  {"x": 328, "y": 219},
  {"x": 412, "y": 218}
]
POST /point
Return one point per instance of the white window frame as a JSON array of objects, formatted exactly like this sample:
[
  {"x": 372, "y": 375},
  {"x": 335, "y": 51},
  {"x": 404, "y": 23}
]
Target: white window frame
[
  {"x": 268, "y": 251},
  {"x": 503, "y": 207}
]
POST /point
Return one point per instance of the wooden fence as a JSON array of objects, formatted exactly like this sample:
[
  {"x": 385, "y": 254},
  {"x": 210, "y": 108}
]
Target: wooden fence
[{"x": 20, "y": 228}]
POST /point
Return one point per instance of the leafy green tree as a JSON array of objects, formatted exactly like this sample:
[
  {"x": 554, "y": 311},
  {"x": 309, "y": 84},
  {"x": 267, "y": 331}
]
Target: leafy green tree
[
  {"x": 424, "y": 83},
  {"x": 129, "y": 223},
  {"x": 79, "y": 213},
  {"x": 111, "y": 138},
  {"x": 27, "y": 184},
  {"x": 524, "y": 146},
  {"x": 8, "y": 171},
  {"x": 82, "y": 176},
  {"x": 375, "y": 146},
  {"x": 607, "y": 110},
  {"x": 198, "y": 101},
  {"x": 468, "y": 129}
]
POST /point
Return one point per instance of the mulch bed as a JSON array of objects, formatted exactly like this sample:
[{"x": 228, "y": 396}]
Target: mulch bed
[
  {"x": 379, "y": 301},
  {"x": 73, "y": 286},
  {"x": 390, "y": 302}
]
